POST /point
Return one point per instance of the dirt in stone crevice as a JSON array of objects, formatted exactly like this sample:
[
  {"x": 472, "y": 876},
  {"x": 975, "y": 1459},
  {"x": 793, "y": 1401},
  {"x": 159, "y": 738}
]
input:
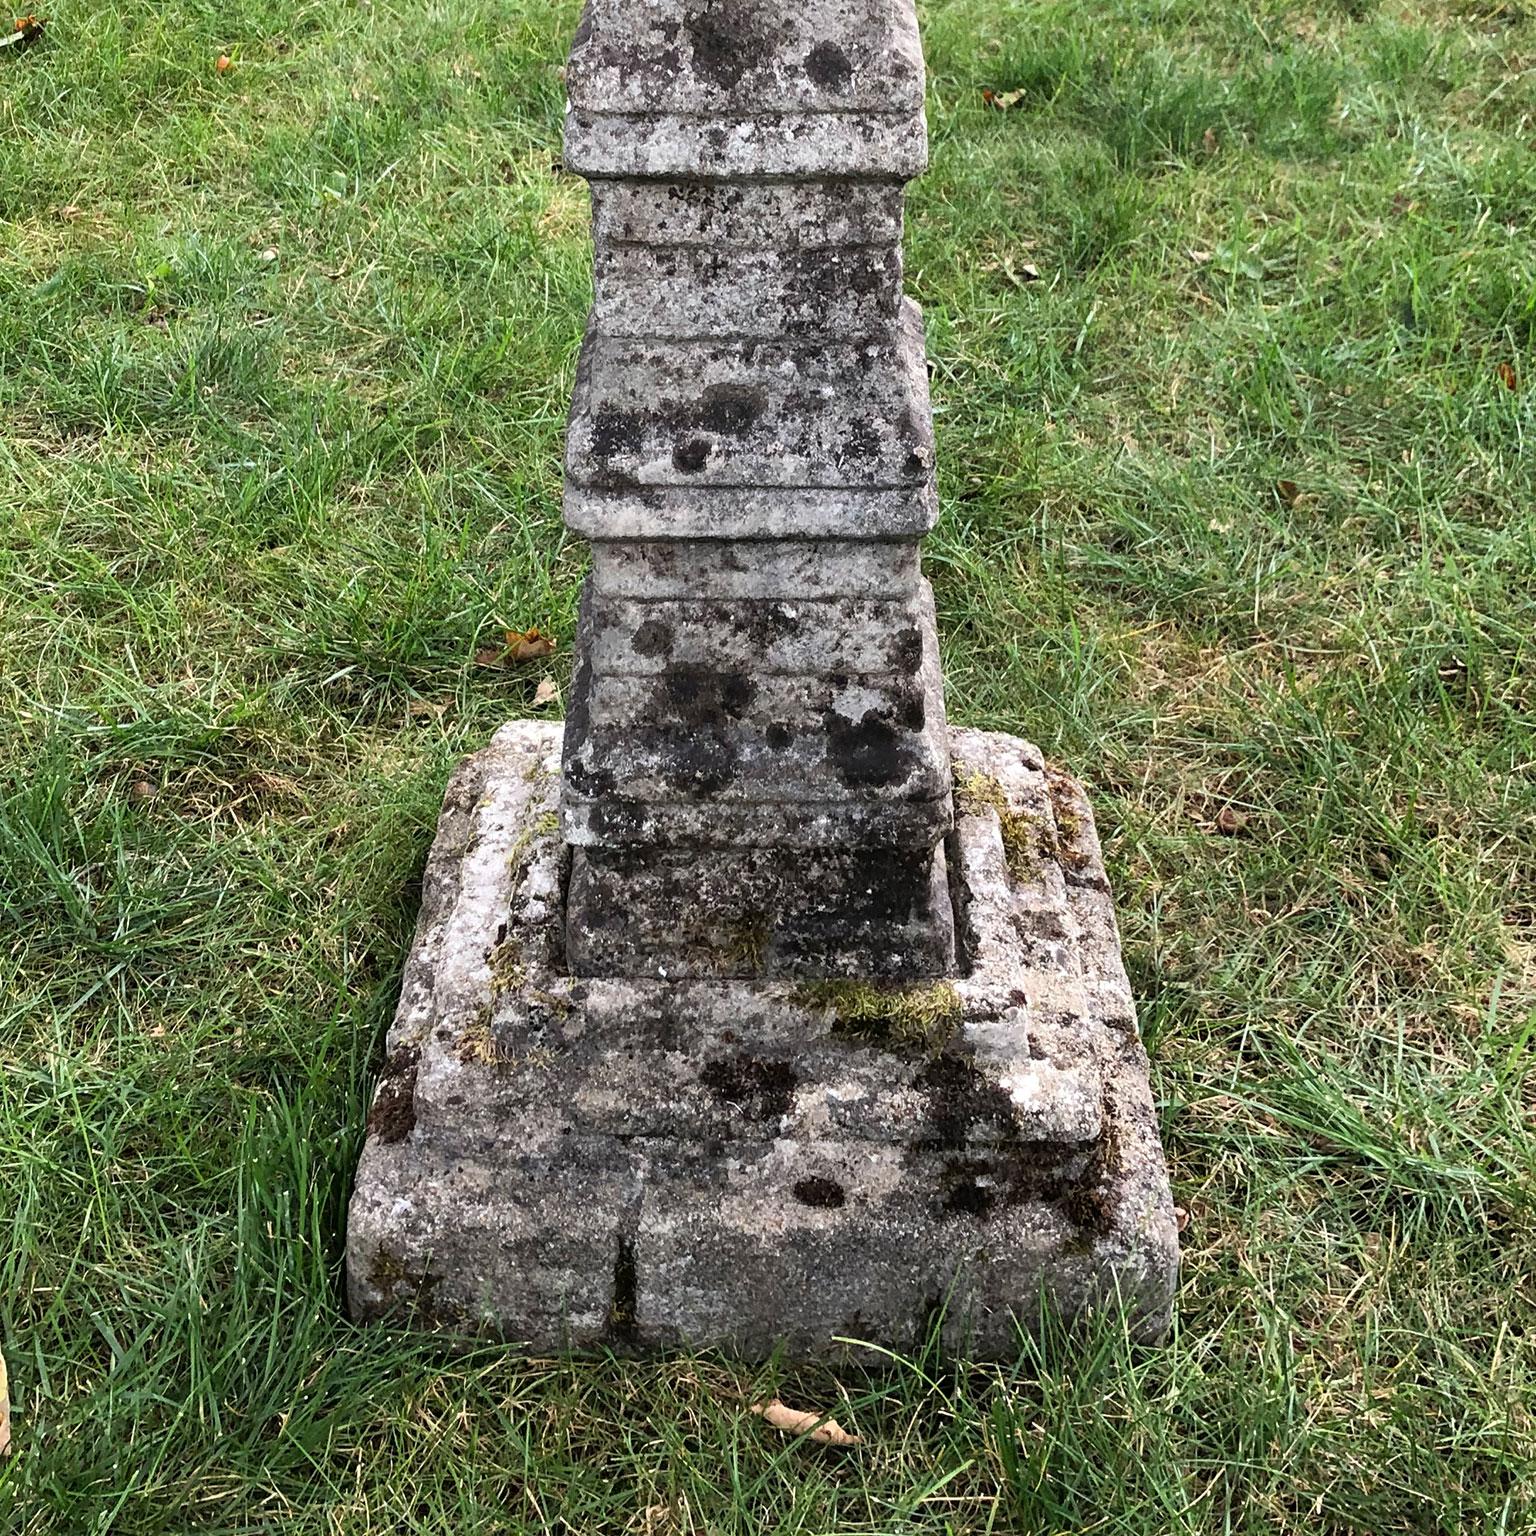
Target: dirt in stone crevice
[
  {"x": 402, "y": 1289},
  {"x": 820, "y": 1193},
  {"x": 759, "y": 1089},
  {"x": 623, "y": 1313},
  {"x": 393, "y": 1115}
]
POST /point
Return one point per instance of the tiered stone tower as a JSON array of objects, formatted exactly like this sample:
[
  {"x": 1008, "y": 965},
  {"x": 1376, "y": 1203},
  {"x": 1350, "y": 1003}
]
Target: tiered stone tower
[
  {"x": 770, "y": 1010},
  {"x": 757, "y": 770}
]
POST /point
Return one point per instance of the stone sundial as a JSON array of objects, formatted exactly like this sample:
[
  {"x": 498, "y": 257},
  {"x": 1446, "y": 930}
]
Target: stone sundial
[{"x": 763, "y": 1006}]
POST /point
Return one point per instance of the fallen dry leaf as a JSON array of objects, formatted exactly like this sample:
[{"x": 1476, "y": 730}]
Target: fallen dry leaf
[
  {"x": 817, "y": 1428},
  {"x": 1507, "y": 376},
  {"x": 1181, "y": 1218},
  {"x": 223, "y": 63},
  {"x": 1288, "y": 492},
  {"x": 26, "y": 30},
  {"x": 1230, "y": 822},
  {"x": 548, "y": 692},
  {"x": 529, "y": 644},
  {"x": 1002, "y": 100}
]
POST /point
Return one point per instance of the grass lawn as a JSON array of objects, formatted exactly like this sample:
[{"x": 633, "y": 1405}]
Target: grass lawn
[{"x": 1232, "y": 315}]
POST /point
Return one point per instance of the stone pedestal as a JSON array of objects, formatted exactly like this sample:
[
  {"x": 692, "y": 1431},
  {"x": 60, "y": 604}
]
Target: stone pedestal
[
  {"x": 761, "y": 1007},
  {"x": 637, "y": 1162}
]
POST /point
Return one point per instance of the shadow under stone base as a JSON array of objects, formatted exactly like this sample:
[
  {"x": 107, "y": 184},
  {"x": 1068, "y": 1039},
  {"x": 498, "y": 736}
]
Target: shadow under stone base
[{"x": 642, "y": 1163}]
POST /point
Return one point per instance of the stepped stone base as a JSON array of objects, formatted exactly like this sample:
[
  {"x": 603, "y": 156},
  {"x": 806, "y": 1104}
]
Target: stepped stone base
[{"x": 642, "y": 1163}]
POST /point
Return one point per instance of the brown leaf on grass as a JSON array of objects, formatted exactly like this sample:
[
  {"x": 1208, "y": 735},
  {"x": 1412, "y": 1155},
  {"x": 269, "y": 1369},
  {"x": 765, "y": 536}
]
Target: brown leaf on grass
[
  {"x": 1507, "y": 376},
  {"x": 1002, "y": 100},
  {"x": 1288, "y": 492},
  {"x": 816, "y": 1427},
  {"x": 528, "y": 644},
  {"x": 1230, "y": 822},
  {"x": 548, "y": 692},
  {"x": 222, "y": 63},
  {"x": 26, "y": 30},
  {"x": 521, "y": 645}
]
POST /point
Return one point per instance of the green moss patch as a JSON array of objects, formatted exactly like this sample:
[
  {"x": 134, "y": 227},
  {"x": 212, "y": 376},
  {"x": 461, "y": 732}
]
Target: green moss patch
[{"x": 904, "y": 1017}]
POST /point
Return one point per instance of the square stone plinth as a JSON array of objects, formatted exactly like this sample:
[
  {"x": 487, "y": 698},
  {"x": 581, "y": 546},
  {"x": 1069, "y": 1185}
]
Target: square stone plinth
[{"x": 647, "y": 1162}]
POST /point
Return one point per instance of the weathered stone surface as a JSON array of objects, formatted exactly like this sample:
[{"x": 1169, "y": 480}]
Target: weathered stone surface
[
  {"x": 746, "y": 413},
  {"x": 688, "y": 291},
  {"x": 776, "y": 725},
  {"x": 792, "y": 570},
  {"x": 756, "y": 214},
  {"x": 751, "y": 512},
  {"x": 728, "y": 88},
  {"x": 721, "y": 58},
  {"x": 807, "y": 636},
  {"x": 759, "y": 912},
  {"x": 643, "y": 1163},
  {"x": 786, "y": 144}
]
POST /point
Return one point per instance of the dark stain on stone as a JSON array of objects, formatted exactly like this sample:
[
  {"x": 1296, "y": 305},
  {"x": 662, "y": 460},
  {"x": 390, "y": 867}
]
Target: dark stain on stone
[
  {"x": 724, "y": 42},
  {"x": 907, "y": 650},
  {"x": 616, "y": 432},
  {"x": 765, "y": 624},
  {"x": 828, "y": 65},
  {"x": 822, "y": 1194},
  {"x": 778, "y": 736},
  {"x": 703, "y": 763},
  {"x": 393, "y": 1116},
  {"x": 405, "y": 1291},
  {"x": 913, "y": 715},
  {"x": 700, "y": 697},
  {"x": 594, "y": 783},
  {"x": 862, "y": 442},
  {"x": 1089, "y": 1204},
  {"x": 689, "y": 458},
  {"x": 730, "y": 409},
  {"x": 869, "y": 752},
  {"x": 958, "y": 1098},
  {"x": 653, "y": 638},
  {"x": 623, "y": 1317},
  {"x": 761, "y": 1090},
  {"x": 970, "y": 1199}
]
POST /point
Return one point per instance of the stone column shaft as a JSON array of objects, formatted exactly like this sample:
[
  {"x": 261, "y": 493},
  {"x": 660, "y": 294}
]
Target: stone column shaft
[{"x": 756, "y": 773}]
